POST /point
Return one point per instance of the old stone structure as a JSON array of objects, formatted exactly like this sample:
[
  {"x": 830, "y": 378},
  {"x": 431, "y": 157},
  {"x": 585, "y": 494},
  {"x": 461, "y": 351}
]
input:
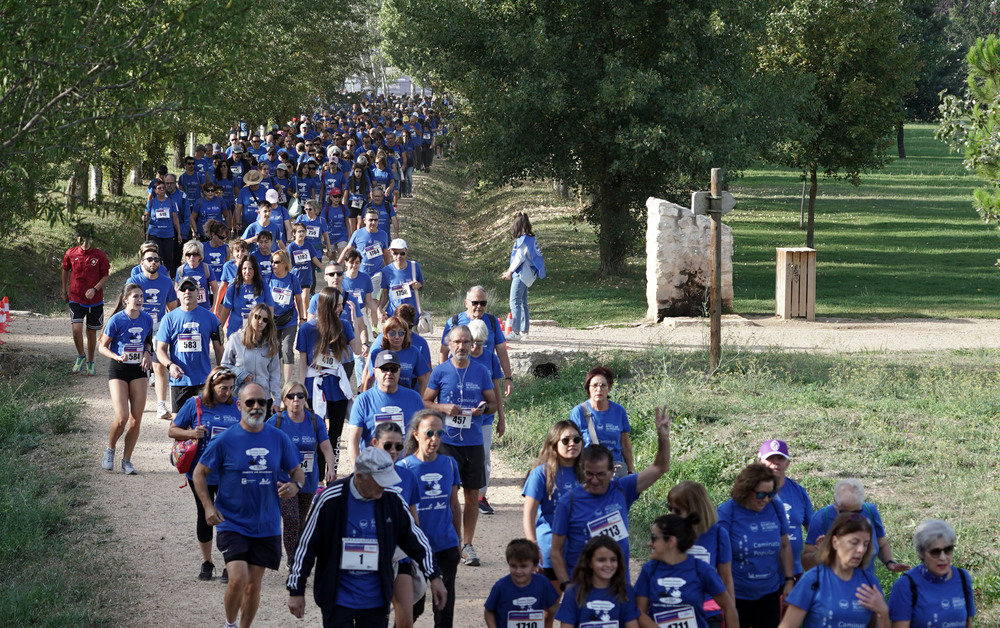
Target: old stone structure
[{"x": 678, "y": 261}]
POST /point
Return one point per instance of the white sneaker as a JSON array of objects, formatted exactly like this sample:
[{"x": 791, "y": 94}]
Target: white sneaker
[
  {"x": 513, "y": 336},
  {"x": 108, "y": 462},
  {"x": 162, "y": 411},
  {"x": 469, "y": 556},
  {"x": 127, "y": 467}
]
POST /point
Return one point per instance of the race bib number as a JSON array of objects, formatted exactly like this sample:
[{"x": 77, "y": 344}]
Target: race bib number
[
  {"x": 427, "y": 136},
  {"x": 373, "y": 251},
  {"x": 327, "y": 361},
  {"x": 357, "y": 202},
  {"x": 202, "y": 295},
  {"x": 400, "y": 291},
  {"x": 281, "y": 296},
  {"x": 308, "y": 460},
  {"x": 609, "y": 525},
  {"x": 161, "y": 213},
  {"x": 300, "y": 257},
  {"x": 393, "y": 417},
  {"x": 679, "y": 617},
  {"x": 312, "y": 232},
  {"x": 132, "y": 353},
  {"x": 359, "y": 555},
  {"x": 599, "y": 624},
  {"x": 218, "y": 429},
  {"x": 460, "y": 422},
  {"x": 189, "y": 343},
  {"x": 526, "y": 619}
]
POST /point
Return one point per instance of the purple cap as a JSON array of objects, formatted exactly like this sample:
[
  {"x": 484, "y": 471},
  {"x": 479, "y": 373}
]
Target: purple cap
[{"x": 773, "y": 448}]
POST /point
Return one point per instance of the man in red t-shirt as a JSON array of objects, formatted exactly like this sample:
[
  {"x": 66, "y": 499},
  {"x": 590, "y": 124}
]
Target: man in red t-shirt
[{"x": 85, "y": 270}]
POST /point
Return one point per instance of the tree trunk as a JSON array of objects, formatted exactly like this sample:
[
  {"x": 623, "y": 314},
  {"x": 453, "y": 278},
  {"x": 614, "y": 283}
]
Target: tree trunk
[
  {"x": 899, "y": 141},
  {"x": 76, "y": 187},
  {"x": 613, "y": 235},
  {"x": 561, "y": 190},
  {"x": 810, "y": 241},
  {"x": 116, "y": 175},
  {"x": 178, "y": 140},
  {"x": 96, "y": 182}
]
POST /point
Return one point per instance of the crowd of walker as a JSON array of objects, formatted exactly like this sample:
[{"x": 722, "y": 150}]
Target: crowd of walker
[{"x": 318, "y": 195}]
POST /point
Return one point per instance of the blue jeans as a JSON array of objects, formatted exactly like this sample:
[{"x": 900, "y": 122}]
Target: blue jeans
[
  {"x": 409, "y": 179},
  {"x": 519, "y": 304}
]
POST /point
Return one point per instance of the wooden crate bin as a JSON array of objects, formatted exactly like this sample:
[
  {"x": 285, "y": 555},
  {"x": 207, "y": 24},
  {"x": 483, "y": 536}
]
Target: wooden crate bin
[{"x": 795, "y": 285}]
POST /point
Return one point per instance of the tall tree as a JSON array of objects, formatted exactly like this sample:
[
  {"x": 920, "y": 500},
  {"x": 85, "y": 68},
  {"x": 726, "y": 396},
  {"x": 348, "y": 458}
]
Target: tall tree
[
  {"x": 624, "y": 100},
  {"x": 850, "y": 52}
]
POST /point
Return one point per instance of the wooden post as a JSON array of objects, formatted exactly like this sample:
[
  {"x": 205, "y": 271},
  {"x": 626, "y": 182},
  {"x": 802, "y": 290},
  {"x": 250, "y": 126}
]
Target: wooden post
[{"x": 715, "y": 311}]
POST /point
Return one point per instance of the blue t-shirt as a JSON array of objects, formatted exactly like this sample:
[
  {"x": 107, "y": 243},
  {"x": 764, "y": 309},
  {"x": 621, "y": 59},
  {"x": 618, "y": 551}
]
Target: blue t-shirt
[
  {"x": 239, "y": 300},
  {"x": 215, "y": 257},
  {"x": 189, "y": 337},
  {"x": 216, "y": 420},
  {"x": 492, "y": 363},
  {"x": 407, "y": 487},
  {"x": 462, "y": 387},
  {"x": 398, "y": 283},
  {"x": 248, "y": 199},
  {"x": 276, "y": 228},
  {"x": 283, "y": 293},
  {"x": 128, "y": 335},
  {"x": 580, "y": 515},
  {"x": 609, "y": 424},
  {"x": 358, "y": 288},
  {"x": 494, "y": 333},
  {"x": 824, "y": 517},
  {"x": 713, "y": 548},
  {"x": 371, "y": 246},
  {"x": 601, "y": 606},
  {"x": 756, "y": 542},
  {"x": 830, "y": 601},
  {"x": 228, "y": 192},
  {"x": 207, "y": 210},
  {"x": 204, "y": 276},
  {"x": 314, "y": 230},
  {"x": 799, "y": 510},
  {"x": 249, "y": 465},
  {"x": 385, "y": 213},
  {"x": 302, "y": 262},
  {"x": 263, "y": 261},
  {"x": 411, "y": 363},
  {"x": 535, "y": 488},
  {"x": 228, "y": 272},
  {"x": 161, "y": 217},
  {"x": 307, "y": 188},
  {"x": 435, "y": 479},
  {"x": 306, "y": 436},
  {"x": 336, "y": 222},
  {"x": 191, "y": 185},
  {"x": 511, "y": 604},
  {"x": 156, "y": 293},
  {"x": 374, "y": 406},
  {"x": 676, "y": 592},
  {"x": 938, "y": 603},
  {"x": 360, "y": 588},
  {"x": 382, "y": 177}
]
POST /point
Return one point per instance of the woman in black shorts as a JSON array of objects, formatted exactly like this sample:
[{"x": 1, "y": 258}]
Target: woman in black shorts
[{"x": 127, "y": 342}]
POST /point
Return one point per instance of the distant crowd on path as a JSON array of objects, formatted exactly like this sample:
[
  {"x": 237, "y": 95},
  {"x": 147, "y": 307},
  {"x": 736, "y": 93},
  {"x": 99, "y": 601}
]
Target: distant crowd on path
[{"x": 264, "y": 366}]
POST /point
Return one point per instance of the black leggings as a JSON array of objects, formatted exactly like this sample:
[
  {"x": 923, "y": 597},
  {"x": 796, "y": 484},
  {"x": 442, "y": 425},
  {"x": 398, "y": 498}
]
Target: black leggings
[
  {"x": 204, "y": 530},
  {"x": 336, "y": 412},
  {"x": 447, "y": 562},
  {"x": 763, "y": 612}
]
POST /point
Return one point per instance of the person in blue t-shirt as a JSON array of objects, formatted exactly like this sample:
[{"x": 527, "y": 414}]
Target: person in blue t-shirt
[
  {"x": 838, "y": 592},
  {"x": 202, "y": 418},
  {"x": 475, "y": 307},
  {"x": 183, "y": 341},
  {"x": 438, "y": 480},
  {"x": 215, "y": 248},
  {"x": 396, "y": 337},
  {"x": 162, "y": 217},
  {"x": 522, "y": 597},
  {"x": 558, "y": 469},
  {"x": 575, "y": 520},
  {"x": 308, "y": 434},
  {"x": 712, "y": 545},
  {"x": 373, "y": 245},
  {"x": 194, "y": 266},
  {"x": 249, "y": 288},
  {"x": 316, "y": 228},
  {"x": 798, "y": 506},
  {"x": 673, "y": 584},
  {"x": 190, "y": 182},
  {"x": 247, "y": 199},
  {"x": 208, "y": 207},
  {"x": 490, "y": 362},
  {"x": 757, "y": 527},
  {"x": 402, "y": 280},
  {"x": 249, "y": 457},
  {"x": 935, "y": 592},
  {"x": 265, "y": 223},
  {"x": 600, "y": 594},
  {"x": 599, "y": 416}
]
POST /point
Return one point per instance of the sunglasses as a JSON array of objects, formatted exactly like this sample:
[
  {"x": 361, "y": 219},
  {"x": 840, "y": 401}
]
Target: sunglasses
[
  {"x": 151, "y": 259},
  {"x": 391, "y": 446},
  {"x": 395, "y": 333},
  {"x": 433, "y": 433},
  {"x": 389, "y": 368},
  {"x": 568, "y": 439},
  {"x": 192, "y": 254},
  {"x": 188, "y": 289},
  {"x": 480, "y": 303},
  {"x": 258, "y": 317},
  {"x": 403, "y": 253},
  {"x": 653, "y": 537},
  {"x": 335, "y": 274},
  {"x": 763, "y": 495},
  {"x": 937, "y": 551},
  {"x": 255, "y": 402},
  {"x": 295, "y": 395}
]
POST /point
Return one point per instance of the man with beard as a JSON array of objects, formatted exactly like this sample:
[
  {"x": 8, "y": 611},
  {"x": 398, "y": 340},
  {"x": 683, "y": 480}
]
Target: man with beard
[{"x": 246, "y": 509}]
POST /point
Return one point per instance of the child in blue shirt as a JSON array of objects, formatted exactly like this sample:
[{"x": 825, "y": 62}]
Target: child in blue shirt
[{"x": 522, "y": 597}]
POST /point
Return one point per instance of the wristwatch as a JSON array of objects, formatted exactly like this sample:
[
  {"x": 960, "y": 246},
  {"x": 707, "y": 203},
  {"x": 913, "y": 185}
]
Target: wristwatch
[{"x": 299, "y": 484}]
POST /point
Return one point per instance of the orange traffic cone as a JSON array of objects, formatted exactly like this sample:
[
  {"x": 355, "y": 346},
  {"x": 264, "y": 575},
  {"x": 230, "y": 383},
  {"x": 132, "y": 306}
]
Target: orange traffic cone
[
  {"x": 4, "y": 316},
  {"x": 509, "y": 326}
]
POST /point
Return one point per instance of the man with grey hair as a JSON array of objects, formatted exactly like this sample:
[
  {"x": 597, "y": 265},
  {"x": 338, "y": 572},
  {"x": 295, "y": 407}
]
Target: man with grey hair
[
  {"x": 475, "y": 308},
  {"x": 849, "y": 496}
]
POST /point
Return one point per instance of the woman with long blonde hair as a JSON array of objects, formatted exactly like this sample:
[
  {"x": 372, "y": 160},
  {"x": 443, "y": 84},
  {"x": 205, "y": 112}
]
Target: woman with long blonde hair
[{"x": 252, "y": 353}]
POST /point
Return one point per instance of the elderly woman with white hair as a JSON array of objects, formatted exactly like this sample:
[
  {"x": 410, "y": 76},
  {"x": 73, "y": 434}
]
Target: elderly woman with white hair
[
  {"x": 492, "y": 363},
  {"x": 849, "y": 496},
  {"x": 935, "y": 592}
]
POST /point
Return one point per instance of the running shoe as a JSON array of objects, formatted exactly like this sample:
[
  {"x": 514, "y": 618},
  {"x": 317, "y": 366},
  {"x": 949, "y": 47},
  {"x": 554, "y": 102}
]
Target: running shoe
[
  {"x": 207, "y": 569},
  {"x": 469, "y": 556},
  {"x": 224, "y": 578},
  {"x": 162, "y": 411},
  {"x": 513, "y": 336},
  {"x": 127, "y": 467},
  {"x": 78, "y": 365},
  {"x": 91, "y": 369},
  {"x": 485, "y": 508},
  {"x": 108, "y": 462}
]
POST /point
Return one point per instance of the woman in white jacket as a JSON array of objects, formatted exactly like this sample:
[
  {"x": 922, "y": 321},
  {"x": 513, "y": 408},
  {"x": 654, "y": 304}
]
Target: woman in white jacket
[
  {"x": 526, "y": 265},
  {"x": 252, "y": 353}
]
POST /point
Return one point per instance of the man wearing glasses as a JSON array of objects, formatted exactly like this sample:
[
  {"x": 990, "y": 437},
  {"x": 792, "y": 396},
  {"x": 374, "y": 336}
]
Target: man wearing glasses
[
  {"x": 601, "y": 504},
  {"x": 190, "y": 182},
  {"x": 182, "y": 344},
  {"x": 475, "y": 308},
  {"x": 386, "y": 401},
  {"x": 158, "y": 298},
  {"x": 246, "y": 510}
]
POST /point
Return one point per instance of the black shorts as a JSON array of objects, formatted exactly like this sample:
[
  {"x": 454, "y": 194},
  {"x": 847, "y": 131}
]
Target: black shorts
[
  {"x": 264, "y": 551},
  {"x": 93, "y": 314},
  {"x": 180, "y": 394},
  {"x": 355, "y": 213},
  {"x": 471, "y": 461},
  {"x": 126, "y": 372}
]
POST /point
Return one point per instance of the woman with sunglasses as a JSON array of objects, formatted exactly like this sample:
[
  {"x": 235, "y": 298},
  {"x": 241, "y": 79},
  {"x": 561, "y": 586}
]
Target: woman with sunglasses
[
  {"x": 763, "y": 569},
  {"x": 249, "y": 289},
  {"x": 194, "y": 266},
  {"x": 935, "y": 592},
  {"x": 252, "y": 354},
  {"x": 216, "y": 249},
  {"x": 711, "y": 544},
  {"x": 289, "y": 309},
  {"x": 838, "y": 591},
  {"x": 673, "y": 585},
  {"x": 308, "y": 434},
  {"x": 438, "y": 483},
  {"x": 558, "y": 469},
  {"x": 204, "y": 417},
  {"x": 395, "y": 337}
]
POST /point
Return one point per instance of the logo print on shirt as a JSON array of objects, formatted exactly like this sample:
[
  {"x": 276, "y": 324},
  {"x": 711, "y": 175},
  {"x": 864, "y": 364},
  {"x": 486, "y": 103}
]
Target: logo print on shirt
[{"x": 258, "y": 460}]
